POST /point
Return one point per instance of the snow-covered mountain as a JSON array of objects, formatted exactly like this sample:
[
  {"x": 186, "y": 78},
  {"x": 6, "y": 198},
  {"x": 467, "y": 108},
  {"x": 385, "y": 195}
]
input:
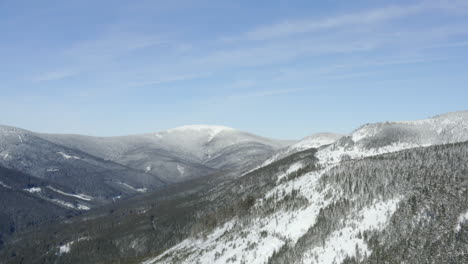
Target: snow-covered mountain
[
  {"x": 107, "y": 167},
  {"x": 392, "y": 192},
  {"x": 80, "y": 172},
  {"x": 69, "y": 174},
  {"x": 345, "y": 209},
  {"x": 379, "y": 138},
  {"x": 180, "y": 153}
]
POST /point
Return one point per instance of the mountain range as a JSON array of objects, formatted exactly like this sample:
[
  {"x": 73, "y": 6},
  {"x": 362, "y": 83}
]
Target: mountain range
[{"x": 390, "y": 192}]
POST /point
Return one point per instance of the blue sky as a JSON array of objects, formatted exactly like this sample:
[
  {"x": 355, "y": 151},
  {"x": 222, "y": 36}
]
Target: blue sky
[{"x": 282, "y": 69}]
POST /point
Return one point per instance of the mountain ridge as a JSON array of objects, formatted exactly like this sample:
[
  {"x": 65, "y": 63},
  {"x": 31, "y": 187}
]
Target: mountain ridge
[
  {"x": 384, "y": 188},
  {"x": 191, "y": 147}
]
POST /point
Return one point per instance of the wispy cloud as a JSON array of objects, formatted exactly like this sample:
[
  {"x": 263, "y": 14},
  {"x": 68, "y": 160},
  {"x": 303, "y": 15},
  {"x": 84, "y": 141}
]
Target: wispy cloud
[
  {"x": 368, "y": 17},
  {"x": 451, "y": 45},
  {"x": 110, "y": 45},
  {"x": 96, "y": 53},
  {"x": 352, "y": 36},
  {"x": 258, "y": 55},
  {"x": 263, "y": 93},
  {"x": 54, "y": 75},
  {"x": 168, "y": 79}
]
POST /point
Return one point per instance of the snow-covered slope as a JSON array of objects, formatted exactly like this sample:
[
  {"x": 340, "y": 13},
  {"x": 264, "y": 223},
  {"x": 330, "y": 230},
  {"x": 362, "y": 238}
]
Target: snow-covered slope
[
  {"x": 402, "y": 207},
  {"x": 198, "y": 149},
  {"x": 265, "y": 237},
  {"x": 81, "y": 172},
  {"x": 379, "y": 138},
  {"x": 313, "y": 141},
  {"x": 345, "y": 212},
  {"x": 205, "y": 142},
  {"x": 316, "y": 141}
]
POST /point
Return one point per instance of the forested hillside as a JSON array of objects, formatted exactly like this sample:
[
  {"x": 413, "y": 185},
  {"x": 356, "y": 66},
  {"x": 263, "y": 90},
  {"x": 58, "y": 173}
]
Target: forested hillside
[{"x": 408, "y": 206}]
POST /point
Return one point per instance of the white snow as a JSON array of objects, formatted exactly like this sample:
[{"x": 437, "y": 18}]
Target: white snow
[
  {"x": 364, "y": 132},
  {"x": 133, "y": 188},
  {"x": 79, "y": 196},
  {"x": 142, "y": 190},
  {"x": 462, "y": 219},
  {"x": 294, "y": 224},
  {"x": 443, "y": 129},
  {"x": 313, "y": 141},
  {"x": 334, "y": 154},
  {"x": 70, "y": 205},
  {"x": 66, "y": 156},
  {"x": 345, "y": 241},
  {"x": 211, "y": 130},
  {"x": 294, "y": 167},
  {"x": 5, "y": 155},
  {"x": 82, "y": 207},
  {"x": 148, "y": 168},
  {"x": 52, "y": 170},
  {"x": 255, "y": 241},
  {"x": 63, "y": 203},
  {"x": 235, "y": 242},
  {"x": 4, "y": 185},
  {"x": 181, "y": 169},
  {"x": 66, "y": 248},
  {"x": 224, "y": 246},
  {"x": 214, "y": 128},
  {"x": 33, "y": 190},
  {"x": 20, "y": 138}
]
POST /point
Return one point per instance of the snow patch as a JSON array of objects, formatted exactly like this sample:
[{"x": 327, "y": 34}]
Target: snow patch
[
  {"x": 294, "y": 167},
  {"x": 82, "y": 207},
  {"x": 70, "y": 205},
  {"x": 364, "y": 132},
  {"x": 181, "y": 169},
  {"x": 66, "y": 248},
  {"x": 346, "y": 241},
  {"x": 66, "y": 156},
  {"x": 79, "y": 196},
  {"x": 148, "y": 168},
  {"x": 142, "y": 190},
  {"x": 33, "y": 190},
  {"x": 63, "y": 203},
  {"x": 52, "y": 170},
  {"x": 462, "y": 219},
  {"x": 4, "y": 185},
  {"x": 221, "y": 247},
  {"x": 6, "y": 155}
]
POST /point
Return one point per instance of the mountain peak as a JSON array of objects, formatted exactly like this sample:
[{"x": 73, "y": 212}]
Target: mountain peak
[
  {"x": 316, "y": 140},
  {"x": 212, "y": 128},
  {"x": 384, "y": 137}
]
